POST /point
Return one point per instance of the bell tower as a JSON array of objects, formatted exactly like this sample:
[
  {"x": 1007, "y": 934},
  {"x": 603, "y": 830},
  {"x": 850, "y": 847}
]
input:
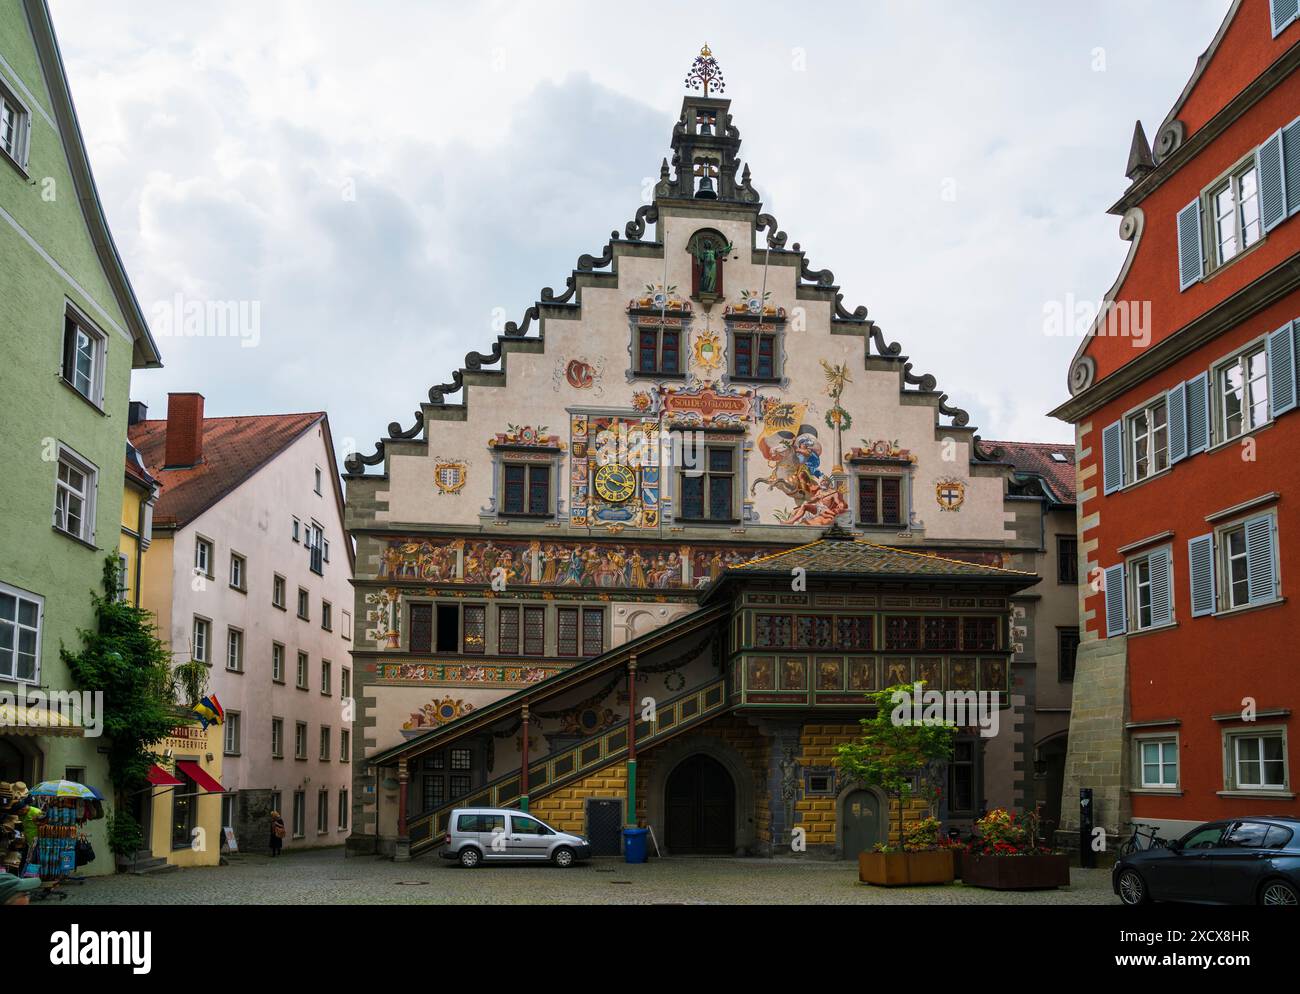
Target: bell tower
[{"x": 706, "y": 145}]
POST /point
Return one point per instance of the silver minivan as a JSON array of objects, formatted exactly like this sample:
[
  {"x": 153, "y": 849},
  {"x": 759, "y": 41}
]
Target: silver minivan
[{"x": 503, "y": 834}]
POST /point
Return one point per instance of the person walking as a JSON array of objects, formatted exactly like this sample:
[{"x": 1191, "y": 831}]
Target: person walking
[{"x": 277, "y": 833}]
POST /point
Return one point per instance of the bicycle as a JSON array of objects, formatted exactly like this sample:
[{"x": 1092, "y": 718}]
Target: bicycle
[{"x": 1140, "y": 841}]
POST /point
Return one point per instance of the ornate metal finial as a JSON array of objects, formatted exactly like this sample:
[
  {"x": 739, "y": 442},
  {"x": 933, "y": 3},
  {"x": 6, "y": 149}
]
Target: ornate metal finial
[{"x": 705, "y": 73}]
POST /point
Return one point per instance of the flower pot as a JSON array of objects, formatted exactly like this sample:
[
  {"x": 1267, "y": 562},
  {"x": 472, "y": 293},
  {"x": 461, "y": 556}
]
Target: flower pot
[
  {"x": 899, "y": 869},
  {"x": 1035, "y": 871}
]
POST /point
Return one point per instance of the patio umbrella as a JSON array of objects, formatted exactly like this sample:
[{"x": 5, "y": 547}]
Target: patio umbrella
[{"x": 92, "y": 806}]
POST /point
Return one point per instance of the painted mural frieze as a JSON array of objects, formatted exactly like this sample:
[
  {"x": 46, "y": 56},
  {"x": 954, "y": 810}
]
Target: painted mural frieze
[
  {"x": 586, "y": 564},
  {"x": 451, "y": 674}
]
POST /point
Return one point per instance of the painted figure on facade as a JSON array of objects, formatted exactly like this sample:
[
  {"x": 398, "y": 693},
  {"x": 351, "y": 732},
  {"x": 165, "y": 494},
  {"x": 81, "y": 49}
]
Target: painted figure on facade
[{"x": 822, "y": 508}]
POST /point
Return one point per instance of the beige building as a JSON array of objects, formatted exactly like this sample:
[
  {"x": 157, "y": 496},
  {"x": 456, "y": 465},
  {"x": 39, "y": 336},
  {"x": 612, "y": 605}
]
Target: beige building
[
  {"x": 697, "y": 483},
  {"x": 249, "y": 572},
  {"x": 1045, "y": 624}
]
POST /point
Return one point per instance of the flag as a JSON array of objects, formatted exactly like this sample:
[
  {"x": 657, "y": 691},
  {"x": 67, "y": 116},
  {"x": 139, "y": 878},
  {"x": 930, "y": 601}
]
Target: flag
[{"x": 209, "y": 712}]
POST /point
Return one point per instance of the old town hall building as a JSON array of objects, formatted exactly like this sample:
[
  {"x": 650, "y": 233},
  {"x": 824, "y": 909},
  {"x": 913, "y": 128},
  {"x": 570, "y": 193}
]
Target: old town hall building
[{"x": 644, "y": 568}]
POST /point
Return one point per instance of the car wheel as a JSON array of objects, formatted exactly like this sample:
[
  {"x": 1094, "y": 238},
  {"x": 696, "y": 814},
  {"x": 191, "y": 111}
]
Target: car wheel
[
  {"x": 1132, "y": 888},
  {"x": 470, "y": 857},
  {"x": 1278, "y": 893},
  {"x": 563, "y": 857}
]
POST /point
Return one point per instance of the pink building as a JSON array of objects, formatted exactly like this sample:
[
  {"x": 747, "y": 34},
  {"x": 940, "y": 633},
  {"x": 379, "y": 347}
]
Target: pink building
[{"x": 250, "y": 572}]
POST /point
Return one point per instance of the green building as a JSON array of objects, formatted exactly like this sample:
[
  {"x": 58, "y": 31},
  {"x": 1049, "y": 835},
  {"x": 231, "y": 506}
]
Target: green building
[{"x": 71, "y": 331}]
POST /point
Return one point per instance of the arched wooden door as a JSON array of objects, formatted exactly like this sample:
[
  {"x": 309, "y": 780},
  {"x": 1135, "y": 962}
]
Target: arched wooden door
[
  {"x": 864, "y": 822},
  {"x": 700, "y": 808}
]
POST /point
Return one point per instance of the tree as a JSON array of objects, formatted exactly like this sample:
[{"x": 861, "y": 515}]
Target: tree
[
  {"x": 893, "y": 747},
  {"x": 123, "y": 658}
]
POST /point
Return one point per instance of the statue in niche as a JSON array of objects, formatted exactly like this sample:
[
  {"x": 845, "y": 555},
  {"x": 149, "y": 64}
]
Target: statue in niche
[{"x": 709, "y": 251}]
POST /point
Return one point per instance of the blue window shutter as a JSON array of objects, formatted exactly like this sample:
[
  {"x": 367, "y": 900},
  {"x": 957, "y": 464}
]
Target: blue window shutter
[
  {"x": 1261, "y": 569},
  {"x": 1112, "y": 457},
  {"x": 1200, "y": 566},
  {"x": 1162, "y": 591},
  {"x": 1272, "y": 181},
  {"x": 1198, "y": 414},
  {"x": 1284, "y": 12},
  {"x": 1191, "y": 258},
  {"x": 1116, "y": 611},
  {"x": 1176, "y": 406},
  {"x": 1280, "y": 349},
  {"x": 1291, "y": 165}
]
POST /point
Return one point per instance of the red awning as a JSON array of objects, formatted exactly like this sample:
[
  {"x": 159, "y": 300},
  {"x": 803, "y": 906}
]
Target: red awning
[
  {"x": 161, "y": 778},
  {"x": 200, "y": 776}
]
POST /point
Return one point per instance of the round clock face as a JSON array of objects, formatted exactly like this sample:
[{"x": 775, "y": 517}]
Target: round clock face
[{"x": 615, "y": 483}]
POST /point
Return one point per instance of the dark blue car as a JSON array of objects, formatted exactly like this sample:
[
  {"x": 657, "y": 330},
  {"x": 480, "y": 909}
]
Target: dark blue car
[{"x": 1240, "y": 861}]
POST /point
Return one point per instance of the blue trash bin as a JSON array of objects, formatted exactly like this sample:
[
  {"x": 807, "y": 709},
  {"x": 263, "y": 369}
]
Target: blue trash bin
[{"x": 634, "y": 849}]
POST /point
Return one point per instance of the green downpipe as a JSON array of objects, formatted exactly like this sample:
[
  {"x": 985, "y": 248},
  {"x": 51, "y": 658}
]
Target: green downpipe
[
  {"x": 523, "y": 803},
  {"x": 631, "y": 792}
]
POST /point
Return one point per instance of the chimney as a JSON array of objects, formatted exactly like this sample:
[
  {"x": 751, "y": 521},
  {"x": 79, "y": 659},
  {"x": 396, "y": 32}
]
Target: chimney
[
  {"x": 184, "y": 430},
  {"x": 138, "y": 411}
]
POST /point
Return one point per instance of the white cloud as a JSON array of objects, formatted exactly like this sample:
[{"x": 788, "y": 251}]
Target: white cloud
[{"x": 226, "y": 137}]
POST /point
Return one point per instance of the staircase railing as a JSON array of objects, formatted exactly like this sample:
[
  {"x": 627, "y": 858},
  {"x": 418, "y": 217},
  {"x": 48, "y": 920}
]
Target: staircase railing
[{"x": 567, "y": 765}]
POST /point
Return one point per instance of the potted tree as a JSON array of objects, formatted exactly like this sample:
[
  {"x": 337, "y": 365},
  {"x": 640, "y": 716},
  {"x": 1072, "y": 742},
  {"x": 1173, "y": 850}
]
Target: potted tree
[
  {"x": 893, "y": 751},
  {"x": 1006, "y": 855}
]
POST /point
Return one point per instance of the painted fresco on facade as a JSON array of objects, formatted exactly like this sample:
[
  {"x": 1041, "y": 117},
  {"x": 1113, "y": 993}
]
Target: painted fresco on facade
[
  {"x": 433, "y": 714},
  {"x": 603, "y": 565}
]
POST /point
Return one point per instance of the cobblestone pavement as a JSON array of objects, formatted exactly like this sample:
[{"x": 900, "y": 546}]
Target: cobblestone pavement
[{"x": 326, "y": 876}]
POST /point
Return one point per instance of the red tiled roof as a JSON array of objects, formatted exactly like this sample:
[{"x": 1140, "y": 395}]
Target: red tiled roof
[
  {"x": 1035, "y": 458},
  {"x": 233, "y": 450}
]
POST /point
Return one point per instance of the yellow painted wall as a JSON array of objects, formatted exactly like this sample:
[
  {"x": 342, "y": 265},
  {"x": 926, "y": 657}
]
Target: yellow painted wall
[
  {"x": 205, "y": 849},
  {"x": 132, "y": 500},
  {"x": 819, "y": 815},
  {"x": 563, "y": 809},
  {"x": 156, "y": 589}
]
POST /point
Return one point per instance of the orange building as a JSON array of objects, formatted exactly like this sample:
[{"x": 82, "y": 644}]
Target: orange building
[{"x": 1183, "y": 398}]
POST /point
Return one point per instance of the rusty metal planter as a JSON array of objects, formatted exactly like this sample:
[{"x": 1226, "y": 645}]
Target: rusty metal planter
[
  {"x": 899, "y": 869},
  {"x": 1039, "y": 871}
]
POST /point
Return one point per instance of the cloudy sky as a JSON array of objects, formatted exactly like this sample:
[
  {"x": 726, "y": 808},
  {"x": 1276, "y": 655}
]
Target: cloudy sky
[{"x": 385, "y": 179}]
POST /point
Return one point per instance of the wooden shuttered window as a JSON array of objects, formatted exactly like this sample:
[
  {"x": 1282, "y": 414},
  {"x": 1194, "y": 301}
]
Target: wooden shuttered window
[
  {"x": 1112, "y": 457},
  {"x": 1272, "y": 188},
  {"x": 1291, "y": 166},
  {"x": 1176, "y": 405},
  {"x": 1277, "y": 163},
  {"x": 1116, "y": 609},
  {"x": 1279, "y": 348},
  {"x": 1191, "y": 245},
  {"x": 1160, "y": 565},
  {"x": 1198, "y": 414},
  {"x": 1200, "y": 571},
  {"x": 1282, "y": 14},
  {"x": 1261, "y": 558}
]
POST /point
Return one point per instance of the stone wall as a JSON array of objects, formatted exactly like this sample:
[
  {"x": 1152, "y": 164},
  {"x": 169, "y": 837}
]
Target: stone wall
[{"x": 1097, "y": 755}]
